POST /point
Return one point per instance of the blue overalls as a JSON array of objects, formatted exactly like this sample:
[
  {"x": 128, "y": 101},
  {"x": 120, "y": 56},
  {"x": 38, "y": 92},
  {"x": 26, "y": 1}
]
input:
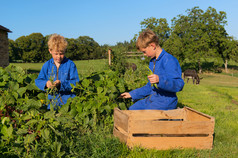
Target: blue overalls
[
  {"x": 67, "y": 73},
  {"x": 169, "y": 71}
]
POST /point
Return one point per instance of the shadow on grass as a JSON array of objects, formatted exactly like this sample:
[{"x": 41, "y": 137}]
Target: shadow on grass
[
  {"x": 233, "y": 67},
  {"x": 29, "y": 71},
  {"x": 181, "y": 105}
]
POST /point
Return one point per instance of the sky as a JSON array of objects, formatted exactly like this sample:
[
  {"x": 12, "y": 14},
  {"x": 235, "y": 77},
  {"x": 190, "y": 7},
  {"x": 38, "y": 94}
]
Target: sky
[{"x": 106, "y": 21}]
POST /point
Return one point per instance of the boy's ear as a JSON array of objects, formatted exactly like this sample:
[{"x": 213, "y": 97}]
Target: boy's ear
[
  {"x": 153, "y": 45},
  {"x": 50, "y": 51}
]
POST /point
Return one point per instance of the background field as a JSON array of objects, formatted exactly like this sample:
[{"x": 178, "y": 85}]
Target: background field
[{"x": 85, "y": 67}]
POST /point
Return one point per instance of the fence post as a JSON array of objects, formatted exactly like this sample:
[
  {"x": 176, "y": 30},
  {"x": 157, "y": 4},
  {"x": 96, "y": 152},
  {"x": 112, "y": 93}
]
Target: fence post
[{"x": 109, "y": 56}]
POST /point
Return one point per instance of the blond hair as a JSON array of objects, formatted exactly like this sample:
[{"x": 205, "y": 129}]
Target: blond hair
[
  {"x": 145, "y": 38},
  {"x": 57, "y": 42}
]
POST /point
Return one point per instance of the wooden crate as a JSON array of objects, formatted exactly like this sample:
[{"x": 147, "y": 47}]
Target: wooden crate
[{"x": 179, "y": 128}]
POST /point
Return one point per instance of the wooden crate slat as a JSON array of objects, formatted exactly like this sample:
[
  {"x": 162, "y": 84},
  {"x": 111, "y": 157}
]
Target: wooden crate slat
[
  {"x": 193, "y": 115},
  {"x": 121, "y": 119},
  {"x": 164, "y": 143},
  {"x": 154, "y": 114},
  {"x": 171, "y": 127},
  {"x": 122, "y": 136}
]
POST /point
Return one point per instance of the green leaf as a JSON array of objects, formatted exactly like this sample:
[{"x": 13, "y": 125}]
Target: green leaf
[
  {"x": 45, "y": 134},
  {"x": 41, "y": 96},
  {"x": 32, "y": 87},
  {"x": 31, "y": 103},
  {"x": 64, "y": 109},
  {"x": 26, "y": 117},
  {"x": 5, "y": 77},
  {"x": 5, "y": 119},
  {"x": 56, "y": 131},
  {"x": 99, "y": 90},
  {"x": 108, "y": 108},
  {"x": 7, "y": 132},
  {"x": 3, "y": 83},
  {"x": 29, "y": 138},
  {"x": 21, "y": 131},
  {"x": 13, "y": 85},
  {"x": 151, "y": 73},
  {"x": 49, "y": 115},
  {"x": 21, "y": 91},
  {"x": 33, "y": 121},
  {"x": 20, "y": 70},
  {"x": 122, "y": 106},
  {"x": 113, "y": 89},
  {"x": 56, "y": 146},
  {"x": 85, "y": 83},
  {"x": 86, "y": 120},
  {"x": 15, "y": 94},
  {"x": 73, "y": 112}
]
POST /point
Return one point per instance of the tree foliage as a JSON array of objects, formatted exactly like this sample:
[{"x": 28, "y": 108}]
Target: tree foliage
[
  {"x": 195, "y": 36},
  {"x": 159, "y": 26},
  {"x": 34, "y": 48}
]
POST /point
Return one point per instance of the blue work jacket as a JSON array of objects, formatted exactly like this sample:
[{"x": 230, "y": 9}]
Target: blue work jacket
[
  {"x": 67, "y": 73},
  {"x": 169, "y": 71}
]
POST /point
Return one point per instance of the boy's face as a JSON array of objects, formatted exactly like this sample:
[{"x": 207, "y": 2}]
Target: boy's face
[
  {"x": 149, "y": 51},
  {"x": 58, "y": 56}
]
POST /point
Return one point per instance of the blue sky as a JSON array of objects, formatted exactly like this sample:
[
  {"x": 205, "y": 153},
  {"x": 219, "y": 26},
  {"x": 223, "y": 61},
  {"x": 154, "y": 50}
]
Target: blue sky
[{"x": 106, "y": 21}]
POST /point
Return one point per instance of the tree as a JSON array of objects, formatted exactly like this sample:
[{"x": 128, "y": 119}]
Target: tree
[
  {"x": 22, "y": 45},
  {"x": 72, "y": 51},
  {"x": 224, "y": 45},
  {"x": 229, "y": 50},
  {"x": 159, "y": 26},
  {"x": 13, "y": 51},
  {"x": 88, "y": 48},
  {"x": 31, "y": 47},
  {"x": 200, "y": 33},
  {"x": 175, "y": 46}
]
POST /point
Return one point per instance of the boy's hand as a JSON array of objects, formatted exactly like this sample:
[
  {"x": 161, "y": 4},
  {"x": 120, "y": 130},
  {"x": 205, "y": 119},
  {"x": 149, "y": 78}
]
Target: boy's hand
[
  {"x": 49, "y": 84},
  {"x": 153, "y": 78},
  {"x": 57, "y": 83},
  {"x": 125, "y": 95}
]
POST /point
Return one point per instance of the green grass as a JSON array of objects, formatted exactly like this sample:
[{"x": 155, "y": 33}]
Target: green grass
[
  {"x": 217, "y": 95},
  {"x": 85, "y": 67}
]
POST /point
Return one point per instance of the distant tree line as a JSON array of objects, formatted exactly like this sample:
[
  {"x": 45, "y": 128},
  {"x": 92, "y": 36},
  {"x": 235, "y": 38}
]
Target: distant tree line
[
  {"x": 197, "y": 35},
  {"x": 34, "y": 48}
]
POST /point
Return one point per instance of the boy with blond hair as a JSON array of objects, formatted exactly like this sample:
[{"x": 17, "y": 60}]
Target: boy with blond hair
[
  {"x": 166, "y": 80},
  {"x": 58, "y": 72}
]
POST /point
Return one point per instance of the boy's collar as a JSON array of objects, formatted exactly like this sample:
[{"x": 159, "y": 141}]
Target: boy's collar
[
  {"x": 160, "y": 56},
  {"x": 63, "y": 61}
]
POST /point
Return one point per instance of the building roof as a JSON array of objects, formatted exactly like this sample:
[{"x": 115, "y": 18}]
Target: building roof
[{"x": 4, "y": 29}]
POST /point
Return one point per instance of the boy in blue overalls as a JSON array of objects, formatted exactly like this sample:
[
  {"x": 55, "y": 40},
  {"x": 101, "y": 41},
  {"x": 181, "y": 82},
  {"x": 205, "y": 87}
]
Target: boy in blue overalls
[
  {"x": 167, "y": 76},
  {"x": 59, "y": 69}
]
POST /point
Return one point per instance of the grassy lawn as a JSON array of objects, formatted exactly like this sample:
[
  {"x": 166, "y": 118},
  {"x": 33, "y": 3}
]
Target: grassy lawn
[{"x": 85, "y": 67}]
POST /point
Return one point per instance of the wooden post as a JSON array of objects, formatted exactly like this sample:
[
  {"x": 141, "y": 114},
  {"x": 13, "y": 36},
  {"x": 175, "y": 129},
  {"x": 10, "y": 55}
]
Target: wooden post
[{"x": 109, "y": 56}]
